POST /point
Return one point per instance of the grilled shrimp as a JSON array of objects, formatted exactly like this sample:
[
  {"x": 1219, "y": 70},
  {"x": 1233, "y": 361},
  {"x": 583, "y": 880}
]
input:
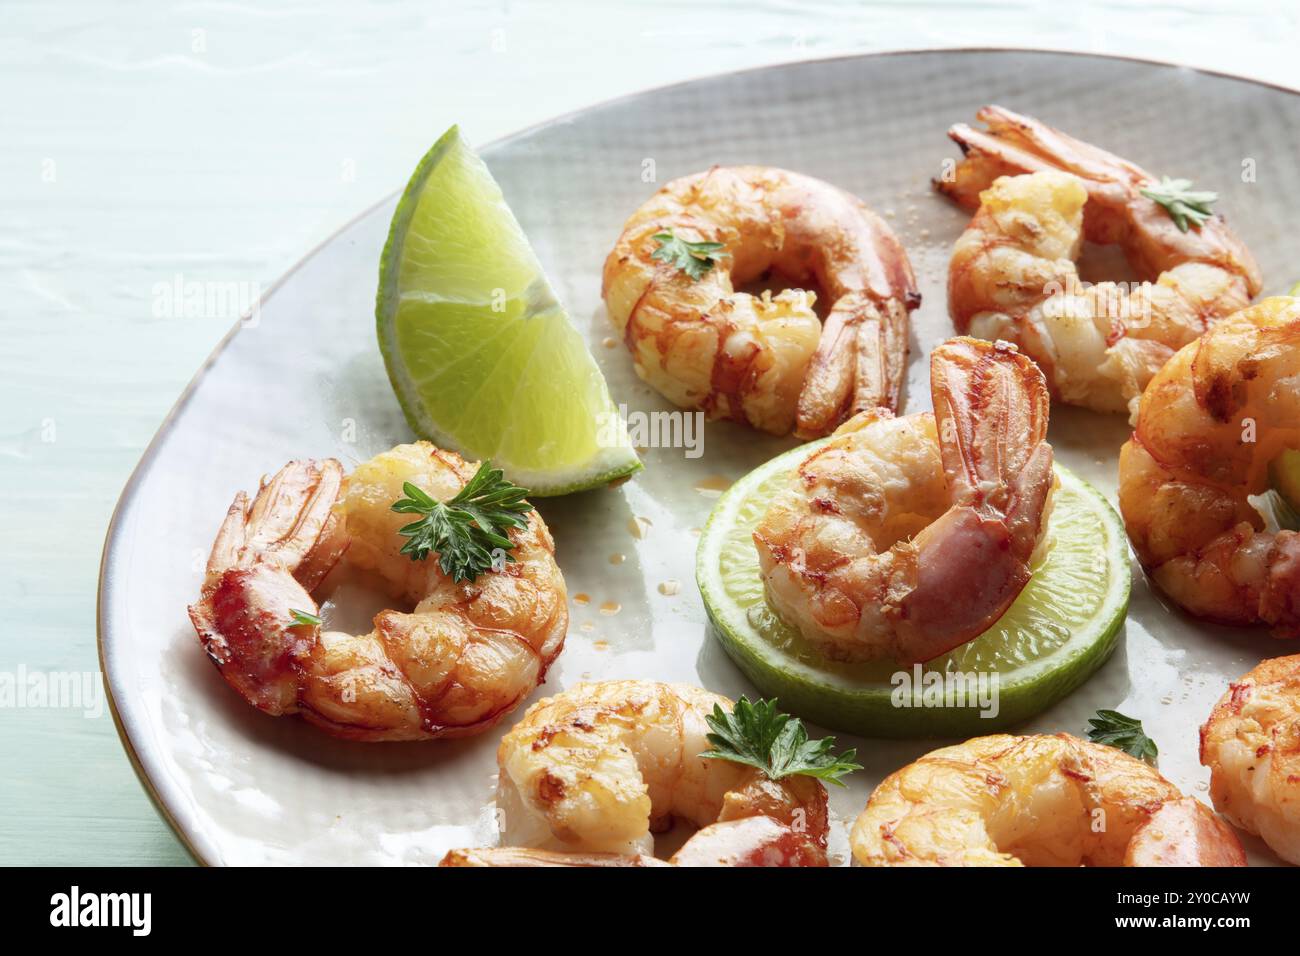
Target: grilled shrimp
[
  {"x": 1041, "y": 800},
  {"x": 906, "y": 537},
  {"x": 1251, "y": 743},
  {"x": 1209, "y": 425},
  {"x": 747, "y": 841},
  {"x": 1038, "y": 194},
  {"x": 597, "y": 770},
  {"x": 463, "y": 657},
  {"x": 765, "y": 360}
]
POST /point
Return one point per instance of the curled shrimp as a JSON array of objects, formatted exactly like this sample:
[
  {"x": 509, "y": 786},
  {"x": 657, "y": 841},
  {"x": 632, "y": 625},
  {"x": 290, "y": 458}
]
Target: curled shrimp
[
  {"x": 1209, "y": 425},
  {"x": 906, "y": 537},
  {"x": 745, "y": 842},
  {"x": 1037, "y": 194},
  {"x": 765, "y": 360},
  {"x": 524, "y": 857},
  {"x": 1040, "y": 800},
  {"x": 464, "y": 656},
  {"x": 595, "y": 771},
  {"x": 1251, "y": 743}
]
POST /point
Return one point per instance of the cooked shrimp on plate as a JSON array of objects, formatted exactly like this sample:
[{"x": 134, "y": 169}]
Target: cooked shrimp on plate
[
  {"x": 903, "y": 538},
  {"x": 1037, "y": 194},
  {"x": 587, "y": 778},
  {"x": 1251, "y": 743},
  {"x": 1040, "y": 800},
  {"x": 1209, "y": 426},
  {"x": 465, "y": 651},
  {"x": 670, "y": 285}
]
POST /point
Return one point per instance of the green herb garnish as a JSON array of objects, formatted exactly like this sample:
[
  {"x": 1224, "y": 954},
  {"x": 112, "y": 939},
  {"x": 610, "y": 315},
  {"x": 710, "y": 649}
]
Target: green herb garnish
[
  {"x": 467, "y": 530},
  {"x": 1181, "y": 202},
  {"x": 759, "y": 735},
  {"x": 1113, "y": 729},
  {"x": 303, "y": 619},
  {"x": 693, "y": 258}
]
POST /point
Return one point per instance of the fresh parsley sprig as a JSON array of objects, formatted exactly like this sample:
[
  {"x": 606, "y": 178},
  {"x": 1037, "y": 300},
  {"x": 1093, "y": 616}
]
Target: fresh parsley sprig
[
  {"x": 758, "y": 735},
  {"x": 1113, "y": 729},
  {"x": 1183, "y": 204},
  {"x": 466, "y": 530},
  {"x": 693, "y": 258}
]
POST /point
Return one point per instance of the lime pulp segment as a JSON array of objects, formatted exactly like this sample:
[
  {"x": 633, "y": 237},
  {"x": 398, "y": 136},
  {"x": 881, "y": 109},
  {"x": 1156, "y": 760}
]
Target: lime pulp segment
[
  {"x": 1059, "y": 630},
  {"x": 479, "y": 350}
]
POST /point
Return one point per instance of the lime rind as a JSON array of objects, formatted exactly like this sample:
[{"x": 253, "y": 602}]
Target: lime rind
[
  {"x": 462, "y": 296},
  {"x": 1060, "y": 629}
]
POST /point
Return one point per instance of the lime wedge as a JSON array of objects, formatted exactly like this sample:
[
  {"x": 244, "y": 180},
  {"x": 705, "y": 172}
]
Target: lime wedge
[
  {"x": 481, "y": 353},
  {"x": 1060, "y": 629}
]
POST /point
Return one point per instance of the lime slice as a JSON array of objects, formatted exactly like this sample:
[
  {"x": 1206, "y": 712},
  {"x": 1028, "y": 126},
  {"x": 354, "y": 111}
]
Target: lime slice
[
  {"x": 480, "y": 351},
  {"x": 1284, "y": 475},
  {"x": 1060, "y": 629}
]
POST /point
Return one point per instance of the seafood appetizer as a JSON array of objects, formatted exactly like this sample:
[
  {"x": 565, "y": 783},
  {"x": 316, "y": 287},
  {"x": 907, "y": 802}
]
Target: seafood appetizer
[
  {"x": 589, "y": 776},
  {"x": 486, "y": 617},
  {"x": 670, "y": 286},
  {"x": 1251, "y": 743},
  {"x": 905, "y": 537},
  {"x": 1037, "y": 194},
  {"x": 1040, "y": 800},
  {"x": 1209, "y": 426}
]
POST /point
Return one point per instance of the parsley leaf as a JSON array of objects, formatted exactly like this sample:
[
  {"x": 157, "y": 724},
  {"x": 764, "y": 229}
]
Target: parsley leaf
[
  {"x": 758, "y": 735},
  {"x": 1181, "y": 202},
  {"x": 1113, "y": 729},
  {"x": 693, "y": 258},
  {"x": 470, "y": 531},
  {"x": 304, "y": 619}
]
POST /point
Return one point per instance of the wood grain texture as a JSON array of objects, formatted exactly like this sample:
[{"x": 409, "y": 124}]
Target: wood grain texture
[{"x": 165, "y": 142}]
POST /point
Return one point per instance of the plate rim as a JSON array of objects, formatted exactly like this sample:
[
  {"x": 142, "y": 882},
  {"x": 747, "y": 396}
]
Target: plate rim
[{"x": 191, "y": 841}]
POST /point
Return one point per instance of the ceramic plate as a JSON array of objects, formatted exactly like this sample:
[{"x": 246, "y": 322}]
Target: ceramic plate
[{"x": 305, "y": 380}]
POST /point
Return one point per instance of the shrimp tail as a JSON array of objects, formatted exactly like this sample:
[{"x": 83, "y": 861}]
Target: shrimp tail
[
  {"x": 292, "y": 519},
  {"x": 750, "y": 841},
  {"x": 230, "y": 538},
  {"x": 267, "y": 557},
  {"x": 524, "y": 857},
  {"x": 1184, "y": 832},
  {"x": 1015, "y": 144},
  {"x": 860, "y": 364},
  {"x": 991, "y": 411},
  {"x": 966, "y": 805},
  {"x": 246, "y": 625}
]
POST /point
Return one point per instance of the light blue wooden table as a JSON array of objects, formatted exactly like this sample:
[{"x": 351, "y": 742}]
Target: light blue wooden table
[{"x": 152, "y": 144}]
